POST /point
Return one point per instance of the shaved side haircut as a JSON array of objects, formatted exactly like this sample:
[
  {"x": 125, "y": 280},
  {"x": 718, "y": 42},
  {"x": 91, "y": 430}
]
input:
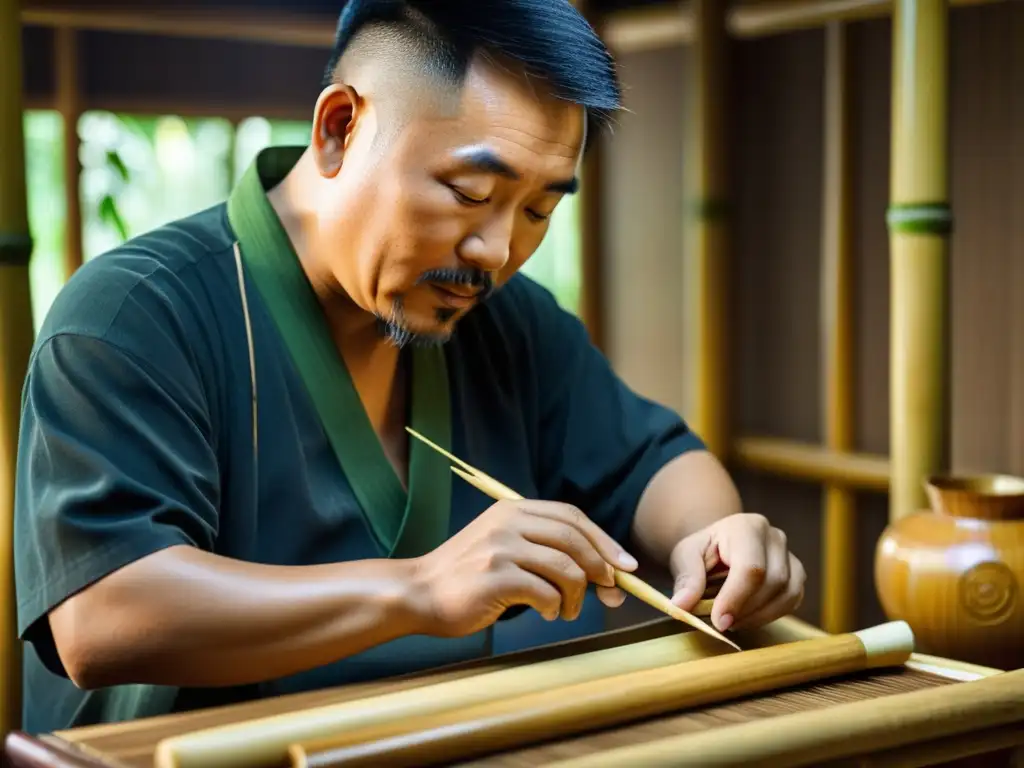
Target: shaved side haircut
[{"x": 406, "y": 46}]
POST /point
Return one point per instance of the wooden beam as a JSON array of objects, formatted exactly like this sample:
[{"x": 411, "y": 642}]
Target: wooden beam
[
  {"x": 706, "y": 222},
  {"x": 919, "y": 221},
  {"x": 648, "y": 28},
  {"x": 158, "y": 105},
  {"x": 662, "y": 26},
  {"x": 16, "y": 336},
  {"x": 839, "y": 524},
  {"x": 305, "y": 31},
  {"x": 812, "y": 463}
]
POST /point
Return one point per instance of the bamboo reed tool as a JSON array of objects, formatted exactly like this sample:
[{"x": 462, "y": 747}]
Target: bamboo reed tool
[
  {"x": 264, "y": 741},
  {"x": 460, "y": 734},
  {"x": 625, "y": 581}
]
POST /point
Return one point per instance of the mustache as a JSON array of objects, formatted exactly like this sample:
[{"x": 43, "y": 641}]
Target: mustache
[{"x": 470, "y": 276}]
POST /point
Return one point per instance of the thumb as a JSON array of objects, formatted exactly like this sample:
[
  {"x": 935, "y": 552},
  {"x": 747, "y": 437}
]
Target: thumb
[{"x": 689, "y": 568}]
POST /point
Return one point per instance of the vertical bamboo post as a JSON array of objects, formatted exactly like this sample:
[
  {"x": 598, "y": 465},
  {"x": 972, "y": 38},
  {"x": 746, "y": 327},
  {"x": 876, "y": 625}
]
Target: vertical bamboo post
[
  {"x": 919, "y": 222},
  {"x": 68, "y": 69},
  {"x": 838, "y": 607},
  {"x": 592, "y": 296},
  {"x": 705, "y": 265},
  {"x": 15, "y": 340}
]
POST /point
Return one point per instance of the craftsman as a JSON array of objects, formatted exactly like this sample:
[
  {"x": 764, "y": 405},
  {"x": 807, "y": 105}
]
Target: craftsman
[{"x": 217, "y": 497}]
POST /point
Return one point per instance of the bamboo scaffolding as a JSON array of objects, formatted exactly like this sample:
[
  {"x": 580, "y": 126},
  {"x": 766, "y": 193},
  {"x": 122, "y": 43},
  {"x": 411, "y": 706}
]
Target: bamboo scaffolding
[
  {"x": 812, "y": 463},
  {"x": 705, "y": 254},
  {"x": 919, "y": 222},
  {"x": 839, "y": 526},
  {"x": 556, "y": 712},
  {"x": 15, "y": 341}
]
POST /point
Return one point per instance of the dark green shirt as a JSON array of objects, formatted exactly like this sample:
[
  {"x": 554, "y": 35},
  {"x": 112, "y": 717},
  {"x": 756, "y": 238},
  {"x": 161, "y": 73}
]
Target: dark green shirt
[{"x": 137, "y": 435}]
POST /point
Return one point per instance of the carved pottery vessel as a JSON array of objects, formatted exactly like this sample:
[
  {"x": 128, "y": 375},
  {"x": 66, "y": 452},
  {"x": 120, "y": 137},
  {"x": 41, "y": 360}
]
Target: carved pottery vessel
[{"x": 955, "y": 573}]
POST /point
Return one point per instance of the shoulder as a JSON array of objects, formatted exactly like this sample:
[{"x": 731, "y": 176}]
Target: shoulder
[{"x": 156, "y": 288}]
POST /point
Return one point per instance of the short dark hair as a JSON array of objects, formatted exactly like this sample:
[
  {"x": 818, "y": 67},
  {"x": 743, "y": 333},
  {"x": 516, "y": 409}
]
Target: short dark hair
[{"x": 549, "y": 38}]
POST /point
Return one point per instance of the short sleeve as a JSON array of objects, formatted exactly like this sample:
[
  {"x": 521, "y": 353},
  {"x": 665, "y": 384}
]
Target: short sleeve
[
  {"x": 601, "y": 441},
  {"x": 115, "y": 462}
]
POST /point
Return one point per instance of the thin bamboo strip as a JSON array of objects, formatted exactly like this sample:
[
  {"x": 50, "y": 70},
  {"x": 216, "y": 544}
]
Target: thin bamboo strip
[
  {"x": 625, "y": 581},
  {"x": 832, "y": 733},
  {"x": 919, "y": 224},
  {"x": 556, "y": 713},
  {"x": 839, "y": 529},
  {"x": 705, "y": 253},
  {"x": 16, "y": 334},
  {"x": 815, "y": 463},
  {"x": 489, "y": 486},
  {"x": 264, "y": 741}
]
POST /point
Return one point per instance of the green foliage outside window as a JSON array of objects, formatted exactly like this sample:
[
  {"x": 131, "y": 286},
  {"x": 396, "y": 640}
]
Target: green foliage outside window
[{"x": 139, "y": 172}]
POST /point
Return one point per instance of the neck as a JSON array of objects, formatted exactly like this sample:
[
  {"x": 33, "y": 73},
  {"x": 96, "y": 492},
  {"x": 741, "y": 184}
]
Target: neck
[{"x": 354, "y": 330}]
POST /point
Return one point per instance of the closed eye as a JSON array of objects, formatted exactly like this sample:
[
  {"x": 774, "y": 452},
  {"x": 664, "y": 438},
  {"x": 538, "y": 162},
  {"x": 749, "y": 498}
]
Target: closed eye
[{"x": 462, "y": 197}]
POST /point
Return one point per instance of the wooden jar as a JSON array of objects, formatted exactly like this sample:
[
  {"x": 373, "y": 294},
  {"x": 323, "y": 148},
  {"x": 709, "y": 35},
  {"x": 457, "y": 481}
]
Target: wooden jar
[{"x": 955, "y": 573}]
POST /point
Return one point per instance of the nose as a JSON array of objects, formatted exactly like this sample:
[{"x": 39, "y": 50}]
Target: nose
[{"x": 489, "y": 247}]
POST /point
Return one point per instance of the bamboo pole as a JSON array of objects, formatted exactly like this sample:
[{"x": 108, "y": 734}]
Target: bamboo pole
[
  {"x": 919, "y": 223},
  {"x": 705, "y": 265},
  {"x": 812, "y": 463},
  {"x": 16, "y": 335},
  {"x": 264, "y": 741},
  {"x": 839, "y": 526},
  {"x": 558, "y": 712},
  {"x": 592, "y": 294},
  {"x": 831, "y": 733},
  {"x": 68, "y": 69}
]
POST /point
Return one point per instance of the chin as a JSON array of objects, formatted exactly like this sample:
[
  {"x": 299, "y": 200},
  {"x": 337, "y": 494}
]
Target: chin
[{"x": 430, "y": 328}]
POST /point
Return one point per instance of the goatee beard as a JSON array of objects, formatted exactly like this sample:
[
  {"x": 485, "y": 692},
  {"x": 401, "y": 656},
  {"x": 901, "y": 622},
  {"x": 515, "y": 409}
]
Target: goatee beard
[{"x": 397, "y": 332}]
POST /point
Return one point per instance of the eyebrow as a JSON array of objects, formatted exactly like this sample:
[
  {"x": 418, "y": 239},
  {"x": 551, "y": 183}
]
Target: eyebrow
[{"x": 485, "y": 160}]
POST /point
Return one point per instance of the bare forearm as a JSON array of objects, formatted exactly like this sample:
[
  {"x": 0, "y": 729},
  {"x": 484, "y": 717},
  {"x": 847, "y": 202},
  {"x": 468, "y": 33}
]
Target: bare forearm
[
  {"x": 186, "y": 617},
  {"x": 687, "y": 495}
]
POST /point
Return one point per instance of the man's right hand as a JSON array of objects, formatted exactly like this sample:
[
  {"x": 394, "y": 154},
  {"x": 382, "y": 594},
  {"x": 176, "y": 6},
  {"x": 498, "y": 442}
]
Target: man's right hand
[{"x": 538, "y": 553}]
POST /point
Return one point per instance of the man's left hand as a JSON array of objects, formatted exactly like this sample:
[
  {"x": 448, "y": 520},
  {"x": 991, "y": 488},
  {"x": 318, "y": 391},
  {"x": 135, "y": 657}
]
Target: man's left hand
[{"x": 765, "y": 580}]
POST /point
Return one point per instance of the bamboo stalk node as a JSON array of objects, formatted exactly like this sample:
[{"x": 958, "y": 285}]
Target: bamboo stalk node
[{"x": 15, "y": 249}]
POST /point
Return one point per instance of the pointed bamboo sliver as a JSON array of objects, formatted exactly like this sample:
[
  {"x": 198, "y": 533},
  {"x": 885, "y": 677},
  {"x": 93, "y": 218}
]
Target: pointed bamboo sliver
[{"x": 626, "y": 581}]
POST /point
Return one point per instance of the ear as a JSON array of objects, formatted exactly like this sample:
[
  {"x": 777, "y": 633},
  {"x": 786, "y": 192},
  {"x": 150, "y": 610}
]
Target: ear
[{"x": 334, "y": 120}]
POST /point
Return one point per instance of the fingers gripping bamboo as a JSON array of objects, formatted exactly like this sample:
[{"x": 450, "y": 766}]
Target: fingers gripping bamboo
[
  {"x": 625, "y": 581},
  {"x": 265, "y": 741},
  {"x": 507, "y": 723}
]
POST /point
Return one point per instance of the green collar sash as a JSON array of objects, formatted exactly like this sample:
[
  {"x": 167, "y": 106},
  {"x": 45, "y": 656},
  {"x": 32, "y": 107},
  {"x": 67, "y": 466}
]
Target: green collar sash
[{"x": 404, "y": 524}]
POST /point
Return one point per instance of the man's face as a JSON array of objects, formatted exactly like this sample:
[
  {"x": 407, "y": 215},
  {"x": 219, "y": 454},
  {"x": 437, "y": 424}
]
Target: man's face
[{"x": 453, "y": 205}]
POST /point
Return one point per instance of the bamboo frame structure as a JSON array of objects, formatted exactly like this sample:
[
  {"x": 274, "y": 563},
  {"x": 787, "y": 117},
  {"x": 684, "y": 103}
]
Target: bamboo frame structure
[
  {"x": 919, "y": 222},
  {"x": 705, "y": 253},
  {"x": 15, "y": 342},
  {"x": 918, "y": 219},
  {"x": 839, "y": 526}
]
